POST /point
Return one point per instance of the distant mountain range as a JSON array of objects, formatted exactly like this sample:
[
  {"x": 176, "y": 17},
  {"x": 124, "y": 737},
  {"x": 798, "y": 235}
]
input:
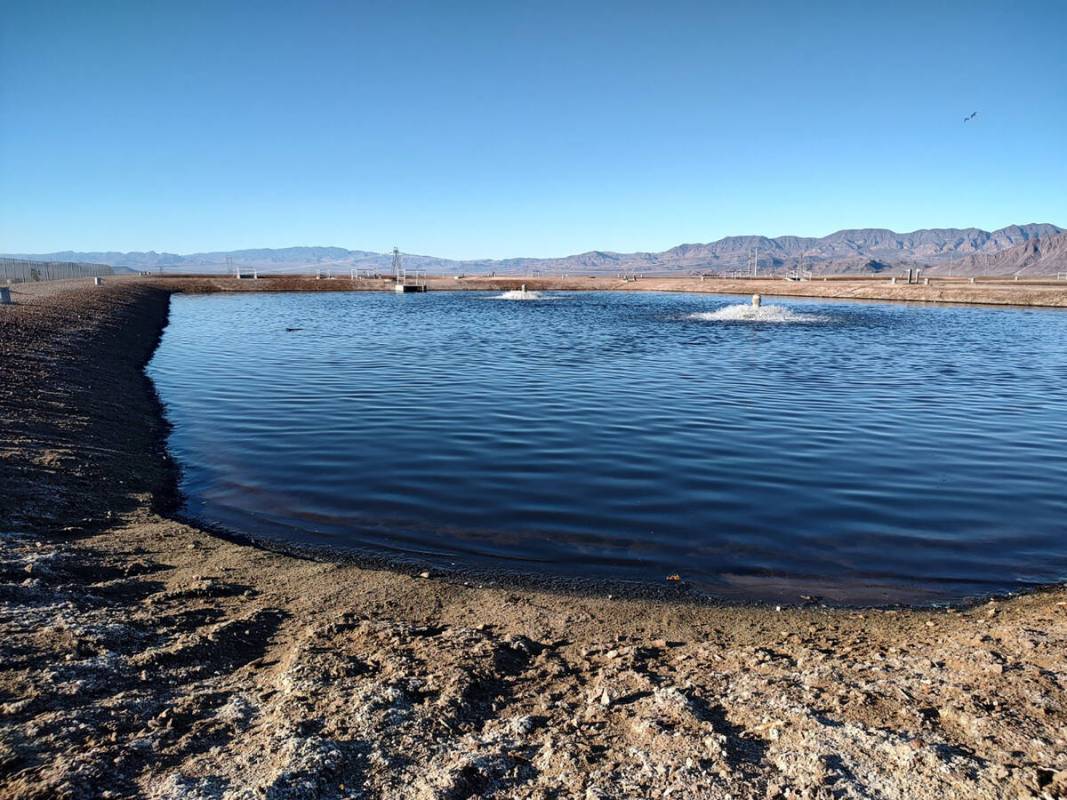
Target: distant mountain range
[
  {"x": 1034, "y": 249},
  {"x": 1046, "y": 255}
]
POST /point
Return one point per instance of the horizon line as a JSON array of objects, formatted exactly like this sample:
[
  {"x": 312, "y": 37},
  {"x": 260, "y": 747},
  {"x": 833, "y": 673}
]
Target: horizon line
[{"x": 540, "y": 258}]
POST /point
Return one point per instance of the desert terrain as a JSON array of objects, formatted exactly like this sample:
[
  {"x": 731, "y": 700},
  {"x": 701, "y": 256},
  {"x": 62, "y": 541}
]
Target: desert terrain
[{"x": 143, "y": 657}]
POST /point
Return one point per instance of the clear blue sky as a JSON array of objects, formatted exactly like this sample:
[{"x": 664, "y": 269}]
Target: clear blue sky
[{"x": 491, "y": 129}]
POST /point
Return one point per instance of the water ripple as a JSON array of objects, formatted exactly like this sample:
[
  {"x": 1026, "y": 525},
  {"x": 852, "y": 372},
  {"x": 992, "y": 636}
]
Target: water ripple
[{"x": 869, "y": 450}]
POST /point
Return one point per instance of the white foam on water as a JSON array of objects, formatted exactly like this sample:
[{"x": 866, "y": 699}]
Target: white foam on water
[
  {"x": 517, "y": 294},
  {"x": 745, "y": 312}
]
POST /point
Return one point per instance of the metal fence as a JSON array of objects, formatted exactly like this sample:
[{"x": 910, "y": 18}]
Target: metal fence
[{"x": 18, "y": 270}]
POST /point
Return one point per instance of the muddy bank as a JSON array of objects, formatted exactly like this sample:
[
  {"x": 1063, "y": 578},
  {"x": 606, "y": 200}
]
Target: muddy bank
[{"x": 143, "y": 657}]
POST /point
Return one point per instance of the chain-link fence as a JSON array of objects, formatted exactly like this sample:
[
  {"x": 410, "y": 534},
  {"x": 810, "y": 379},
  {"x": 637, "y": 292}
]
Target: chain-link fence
[{"x": 18, "y": 270}]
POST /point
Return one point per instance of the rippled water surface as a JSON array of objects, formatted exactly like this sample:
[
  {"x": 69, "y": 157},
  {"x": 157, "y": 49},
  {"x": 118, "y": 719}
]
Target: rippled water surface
[{"x": 861, "y": 452}]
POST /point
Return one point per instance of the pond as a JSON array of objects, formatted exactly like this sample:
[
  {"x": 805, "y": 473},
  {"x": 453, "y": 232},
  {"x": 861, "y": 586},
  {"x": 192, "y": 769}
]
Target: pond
[{"x": 858, "y": 452}]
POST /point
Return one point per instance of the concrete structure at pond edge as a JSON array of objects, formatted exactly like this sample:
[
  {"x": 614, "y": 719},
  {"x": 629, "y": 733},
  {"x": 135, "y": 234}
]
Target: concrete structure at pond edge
[
  {"x": 400, "y": 275},
  {"x": 5, "y": 296}
]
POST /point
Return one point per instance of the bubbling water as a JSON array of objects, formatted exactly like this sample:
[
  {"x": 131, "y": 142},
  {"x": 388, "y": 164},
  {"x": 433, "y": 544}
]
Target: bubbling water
[
  {"x": 519, "y": 294},
  {"x": 753, "y": 313}
]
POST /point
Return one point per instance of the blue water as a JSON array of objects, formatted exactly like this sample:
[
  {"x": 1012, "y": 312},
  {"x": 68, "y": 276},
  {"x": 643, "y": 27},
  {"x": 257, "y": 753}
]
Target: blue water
[{"x": 861, "y": 452}]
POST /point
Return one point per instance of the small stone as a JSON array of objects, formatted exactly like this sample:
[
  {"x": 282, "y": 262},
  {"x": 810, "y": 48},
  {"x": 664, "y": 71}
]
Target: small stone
[{"x": 424, "y": 574}]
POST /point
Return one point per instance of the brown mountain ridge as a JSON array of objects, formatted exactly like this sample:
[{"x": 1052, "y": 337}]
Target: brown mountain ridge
[{"x": 1032, "y": 249}]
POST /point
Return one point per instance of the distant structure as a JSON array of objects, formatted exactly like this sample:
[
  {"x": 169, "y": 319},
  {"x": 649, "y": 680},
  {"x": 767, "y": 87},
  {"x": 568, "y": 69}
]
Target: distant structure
[
  {"x": 755, "y": 260},
  {"x": 235, "y": 270},
  {"x": 21, "y": 270},
  {"x": 404, "y": 282},
  {"x": 798, "y": 273}
]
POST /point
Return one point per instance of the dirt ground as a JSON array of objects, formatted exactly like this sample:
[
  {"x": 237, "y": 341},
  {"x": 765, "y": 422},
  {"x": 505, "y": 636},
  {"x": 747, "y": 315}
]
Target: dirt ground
[
  {"x": 985, "y": 291},
  {"x": 141, "y": 657}
]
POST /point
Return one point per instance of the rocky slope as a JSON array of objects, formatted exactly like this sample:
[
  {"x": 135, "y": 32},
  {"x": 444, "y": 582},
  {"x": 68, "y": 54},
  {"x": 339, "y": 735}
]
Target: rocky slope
[{"x": 1043, "y": 256}]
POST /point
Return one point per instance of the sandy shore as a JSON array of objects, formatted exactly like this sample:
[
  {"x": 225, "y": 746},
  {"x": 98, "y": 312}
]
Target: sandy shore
[{"x": 143, "y": 657}]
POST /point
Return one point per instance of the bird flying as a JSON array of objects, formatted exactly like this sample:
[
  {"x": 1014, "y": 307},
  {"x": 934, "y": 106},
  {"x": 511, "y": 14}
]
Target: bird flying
[{"x": 972, "y": 116}]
